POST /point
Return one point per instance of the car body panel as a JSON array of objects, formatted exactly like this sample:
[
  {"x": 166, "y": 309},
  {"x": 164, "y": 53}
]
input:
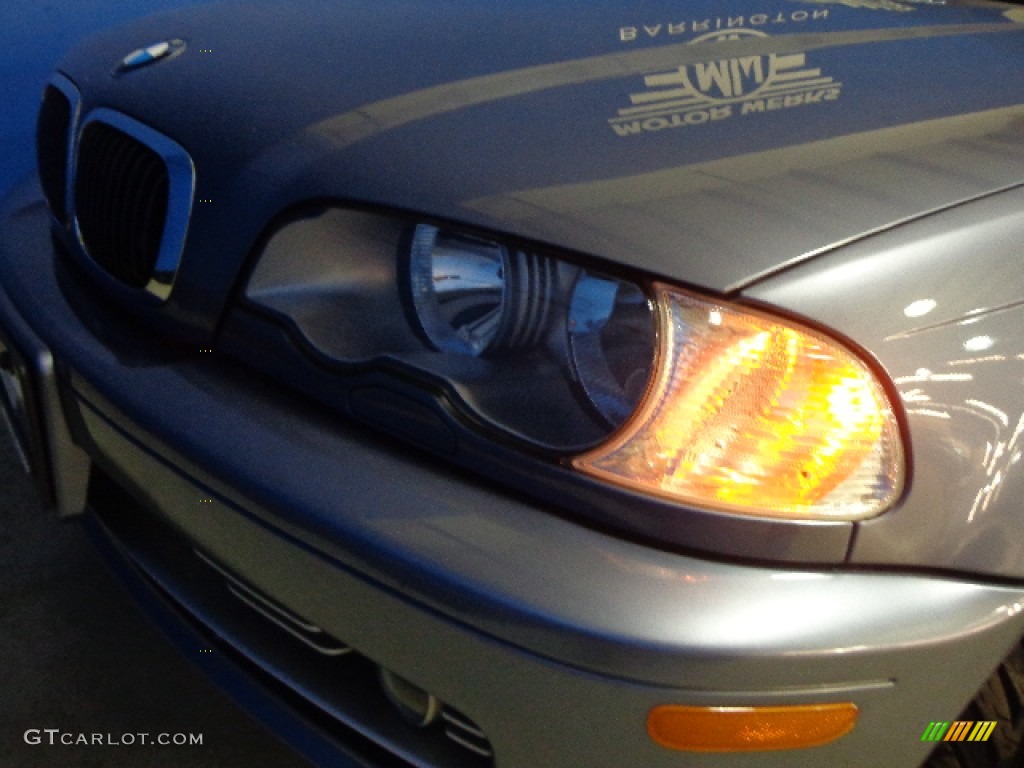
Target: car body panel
[
  {"x": 452, "y": 589},
  {"x": 519, "y": 642},
  {"x": 58, "y": 309},
  {"x": 882, "y": 135},
  {"x": 817, "y": 170},
  {"x": 740, "y": 642},
  {"x": 944, "y": 323}
]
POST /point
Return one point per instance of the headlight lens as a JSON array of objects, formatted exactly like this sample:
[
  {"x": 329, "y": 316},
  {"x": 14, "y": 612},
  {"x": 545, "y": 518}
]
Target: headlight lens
[
  {"x": 531, "y": 345},
  {"x": 649, "y": 387},
  {"x": 611, "y": 347},
  {"x": 472, "y": 295},
  {"x": 750, "y": 414}
]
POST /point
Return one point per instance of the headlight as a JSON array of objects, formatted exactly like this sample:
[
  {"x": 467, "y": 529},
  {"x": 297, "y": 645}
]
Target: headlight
[
  {"x": 642, "y": 385},
  {"x": 528, "y": 345}
]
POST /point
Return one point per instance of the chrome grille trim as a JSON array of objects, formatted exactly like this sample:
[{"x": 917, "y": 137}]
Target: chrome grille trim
[
  {"x": 158, "y": 279},
  {"x": 54, "y": 145}
]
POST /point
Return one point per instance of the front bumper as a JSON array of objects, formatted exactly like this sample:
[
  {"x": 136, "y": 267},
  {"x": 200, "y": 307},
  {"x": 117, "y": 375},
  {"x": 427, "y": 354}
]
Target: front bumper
[{"x": 554, "y": 640}]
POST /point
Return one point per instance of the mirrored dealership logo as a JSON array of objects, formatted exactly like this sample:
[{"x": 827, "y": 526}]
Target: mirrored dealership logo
[{"x": 724, "y": 87}]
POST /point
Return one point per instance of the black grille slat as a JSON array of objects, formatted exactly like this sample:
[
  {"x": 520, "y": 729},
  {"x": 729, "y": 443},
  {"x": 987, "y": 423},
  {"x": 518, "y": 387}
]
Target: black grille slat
[
  {"x": 153, "y": 206},
  {"x": 94, "y": 207},
  {"x": 52, "y": 136},
  {"x": 121, "y": 197},
  {"x": 144, "y": 183}
]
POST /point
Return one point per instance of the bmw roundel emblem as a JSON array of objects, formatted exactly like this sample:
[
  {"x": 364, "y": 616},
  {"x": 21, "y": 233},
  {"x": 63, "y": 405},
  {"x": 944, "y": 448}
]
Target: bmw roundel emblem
[{"x": 151, "y": 54}]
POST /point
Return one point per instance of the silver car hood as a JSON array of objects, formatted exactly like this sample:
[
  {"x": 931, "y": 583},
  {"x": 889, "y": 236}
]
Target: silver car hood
[{"x": 713, "y": 149}]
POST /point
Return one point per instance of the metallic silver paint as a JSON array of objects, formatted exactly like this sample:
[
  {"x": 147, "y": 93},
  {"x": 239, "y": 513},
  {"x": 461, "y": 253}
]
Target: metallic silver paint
[
  {"x": 610, "y": 629},
  {"x": 372, "y": 119},
  {"x": 749, "y": 215},
  {"x": 959, "y": 370},
  {"x": 530, "y": 620}
]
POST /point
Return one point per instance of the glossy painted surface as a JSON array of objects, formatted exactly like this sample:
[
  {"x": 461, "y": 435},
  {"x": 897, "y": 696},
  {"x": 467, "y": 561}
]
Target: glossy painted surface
[
  {"x": 858, "y": 167},
  {"x": 596, "y": 626},
  {"x": 502, "y": 595},
  {"x": 716, "y": 150},
  {"x": 938, "y": 302},
  {"x": 522, "y": 131}
]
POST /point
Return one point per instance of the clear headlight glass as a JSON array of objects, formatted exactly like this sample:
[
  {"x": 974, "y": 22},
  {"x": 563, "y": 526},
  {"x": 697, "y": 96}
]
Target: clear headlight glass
[
  {"x": 607, "y": 319},
  {"x": 532, "y": 345}
]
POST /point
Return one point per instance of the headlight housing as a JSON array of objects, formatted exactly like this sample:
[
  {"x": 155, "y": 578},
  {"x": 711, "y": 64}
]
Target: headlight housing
[{"x": 642, "y": 385}]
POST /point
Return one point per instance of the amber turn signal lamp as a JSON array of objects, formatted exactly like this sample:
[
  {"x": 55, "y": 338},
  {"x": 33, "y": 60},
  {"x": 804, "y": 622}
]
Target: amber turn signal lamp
[
  {"x": 753, "y": 414},
  {"x": 749, "y": 729}
]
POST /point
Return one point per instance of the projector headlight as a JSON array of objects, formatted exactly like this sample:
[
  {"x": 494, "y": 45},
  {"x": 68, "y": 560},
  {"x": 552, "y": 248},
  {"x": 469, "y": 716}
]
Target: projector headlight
[
  {"x": 642, "y": 385},
  {"x": 473, "y": 296}
]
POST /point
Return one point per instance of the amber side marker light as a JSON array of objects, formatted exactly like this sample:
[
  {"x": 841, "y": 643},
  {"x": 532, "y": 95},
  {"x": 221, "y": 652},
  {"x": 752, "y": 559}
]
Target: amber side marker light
[
  {"x": 753, "y": 414},
  {"x": 750, "y": 729}
]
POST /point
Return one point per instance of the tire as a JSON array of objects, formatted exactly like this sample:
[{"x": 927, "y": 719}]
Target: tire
[{"x": 1001, "y": 698}]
